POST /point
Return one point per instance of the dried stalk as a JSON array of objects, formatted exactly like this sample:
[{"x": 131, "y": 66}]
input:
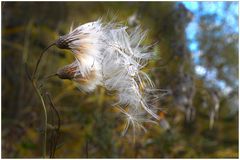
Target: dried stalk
[
  {"x": 34, "y": 81},
  {"x": 39, "y": 59},
  {"x": 56, "y": 131},
  {"x": 45, "y": 117}
]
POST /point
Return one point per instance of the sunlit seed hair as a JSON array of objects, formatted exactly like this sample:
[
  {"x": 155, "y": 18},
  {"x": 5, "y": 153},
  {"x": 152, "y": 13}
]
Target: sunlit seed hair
[{"x": 107, "y": 55}]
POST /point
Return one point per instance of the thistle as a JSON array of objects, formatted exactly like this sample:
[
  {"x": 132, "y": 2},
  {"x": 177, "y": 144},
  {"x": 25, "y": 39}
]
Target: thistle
[{"x": 107, "y": 55}]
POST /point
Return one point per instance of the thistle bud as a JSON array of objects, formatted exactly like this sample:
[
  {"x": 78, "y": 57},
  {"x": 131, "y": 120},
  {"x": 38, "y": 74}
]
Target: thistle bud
[
  {"x": 62, "y": 42},
  {"x": 67, "y": 72}
]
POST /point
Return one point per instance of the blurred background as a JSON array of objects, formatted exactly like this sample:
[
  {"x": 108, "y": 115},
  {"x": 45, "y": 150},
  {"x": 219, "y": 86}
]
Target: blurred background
[{"x": 197, "y": 61}]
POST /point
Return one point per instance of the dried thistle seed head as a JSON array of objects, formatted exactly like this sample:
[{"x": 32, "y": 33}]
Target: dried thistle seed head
[
  {"x": 107, "y": 54},
  {"x": 67, "y": 72},
  {"x": 62, "y": 42}
]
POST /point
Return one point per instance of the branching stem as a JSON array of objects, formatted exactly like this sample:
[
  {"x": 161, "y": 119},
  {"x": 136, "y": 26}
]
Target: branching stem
[
  {"x": 39, "y": 59},
  {"x": 45, "y": 118},
  {"x": 34, "y": 81}
]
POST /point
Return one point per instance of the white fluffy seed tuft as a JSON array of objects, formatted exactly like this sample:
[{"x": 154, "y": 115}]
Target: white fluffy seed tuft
[{"x": 107, "y": 55}]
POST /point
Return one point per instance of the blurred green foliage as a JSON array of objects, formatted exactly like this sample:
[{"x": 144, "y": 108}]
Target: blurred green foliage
[{"x": 90, "y": 126}]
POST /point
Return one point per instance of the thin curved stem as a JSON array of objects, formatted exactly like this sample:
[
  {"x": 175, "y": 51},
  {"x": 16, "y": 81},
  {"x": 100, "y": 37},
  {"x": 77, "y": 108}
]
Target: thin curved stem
[
  {"x": 39, "y": 59},
  {"x": 34, "y": 81},
  {"x": 45, "y": 118},
  {"x": 57, "y": 130}
]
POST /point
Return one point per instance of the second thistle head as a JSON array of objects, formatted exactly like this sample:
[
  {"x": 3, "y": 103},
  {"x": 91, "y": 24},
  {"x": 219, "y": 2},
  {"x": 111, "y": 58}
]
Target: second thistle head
[{"x": 67, "y": 72}]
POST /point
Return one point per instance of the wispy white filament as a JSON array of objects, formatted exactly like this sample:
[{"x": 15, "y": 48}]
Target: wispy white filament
[{"x": 116, "y": 58}]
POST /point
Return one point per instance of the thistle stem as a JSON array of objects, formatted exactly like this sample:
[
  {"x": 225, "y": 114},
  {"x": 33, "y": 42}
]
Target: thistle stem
[
  {"x": 33, "y": 79},
  {"x": 45, "y": 118},
  {"x": 55, "y": 138},
  {"x": 39, "y": 59}
]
